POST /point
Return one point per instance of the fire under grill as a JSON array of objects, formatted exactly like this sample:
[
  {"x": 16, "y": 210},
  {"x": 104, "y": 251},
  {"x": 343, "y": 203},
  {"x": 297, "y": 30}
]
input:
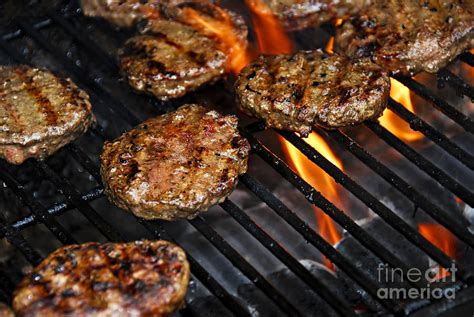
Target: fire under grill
[{"x": 259, "y": 251}]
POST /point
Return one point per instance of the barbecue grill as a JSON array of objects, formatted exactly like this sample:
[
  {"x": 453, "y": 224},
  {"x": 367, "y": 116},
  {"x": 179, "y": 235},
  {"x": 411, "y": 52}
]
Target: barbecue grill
[{"x": 61, "y": 200}]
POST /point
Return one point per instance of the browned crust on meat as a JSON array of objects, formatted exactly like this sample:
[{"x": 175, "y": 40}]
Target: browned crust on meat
[
  {"x": 39, "y": 113},
  {"x": 144, "y": 278},
  {"x": 407, "y": 37},
  {"x": 171, "y": 60},
  {"x": 301, "y": 14},
  {"x": 296, "y": 92},
  {"x": 175, "y": 165}
]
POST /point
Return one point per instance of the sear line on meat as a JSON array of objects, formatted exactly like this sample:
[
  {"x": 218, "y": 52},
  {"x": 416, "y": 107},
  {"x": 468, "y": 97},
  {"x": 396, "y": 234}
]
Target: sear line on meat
[
  {"x": 176, "y": 165},
  {"x": 39, "y": 113},
  {"x": 296, "y": 92}
]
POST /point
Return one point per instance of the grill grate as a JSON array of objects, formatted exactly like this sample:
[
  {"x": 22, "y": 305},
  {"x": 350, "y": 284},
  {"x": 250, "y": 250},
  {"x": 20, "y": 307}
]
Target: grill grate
[{"x": 109, "y": 104}]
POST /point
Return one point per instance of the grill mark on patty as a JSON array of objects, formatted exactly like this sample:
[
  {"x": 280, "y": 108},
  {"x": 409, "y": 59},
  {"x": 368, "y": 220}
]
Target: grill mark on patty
[
  {"x": 40, "y": 99},
  {"x": 11, "y": 110},
  {"x": 306, "y": 86},
  {"x": 195, "y": 57}
]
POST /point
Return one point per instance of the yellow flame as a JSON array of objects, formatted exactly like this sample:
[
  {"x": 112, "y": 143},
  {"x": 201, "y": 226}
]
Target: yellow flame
[
  {"x": 226, "y": 34},
  {"x": 318, "y": 179},
  {"x": 271, "y": 36}
]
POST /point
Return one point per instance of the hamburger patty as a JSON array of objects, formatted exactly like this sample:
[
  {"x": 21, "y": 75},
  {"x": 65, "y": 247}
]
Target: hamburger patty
[
  {"x": 175, "y": 165},
  {"x": 301, "y": 14},
  {"x": 409, "y": 36},
  {"x": 123, "y": 13},
  {"x": 144, "y": 278},
  {"x": 39, "y": 113},
  {"x": 295, "y": 92},
  {"x": 170, "y": 60}
]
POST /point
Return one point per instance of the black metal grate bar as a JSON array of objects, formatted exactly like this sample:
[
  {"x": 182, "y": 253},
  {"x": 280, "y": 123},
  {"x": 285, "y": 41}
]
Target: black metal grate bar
[
  {"x": 55, "y": 210},
  {"x": 315, "y": 198},
  {"x": 229, "y": 301},
  {"x": 276, "y": 249},
  {"x": 85, "y": 161},
  {"x": 457, "y": 83},
  {"x": 16, "y": 239},
  {"x": 453, "y": 223},
  {"x": 86, "y": 42},
  {"x": 35, "y": 207},
  {"x": 440, "y": 104},
  {"x": 238, "y": 261},
  {"x": 6, "y": 285},
  {"x": 74, "y": 198},
  {"x": 441, "y": 140},
  {"x": 299, "y": 225},
  {"x": 429, "y": 168},
  {"x": 468, "y": 58},
  {"x": 373, "y": 203}
]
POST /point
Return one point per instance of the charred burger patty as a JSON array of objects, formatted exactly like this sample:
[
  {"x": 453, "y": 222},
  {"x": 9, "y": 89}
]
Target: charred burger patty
[
  {"x": 409, "y": 36},
  {"x": 39, "y": 113},
  {"x": 145, "y": 278},
  {"x": 296, "y": 92},
  {"x": 170, "y": 60},
  {"x": 175, "y": 165}
]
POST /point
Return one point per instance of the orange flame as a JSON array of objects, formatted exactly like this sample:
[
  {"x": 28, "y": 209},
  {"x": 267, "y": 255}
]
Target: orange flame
[
  {"x": 271, "y": 37},
  {"x": 392, "y": 122},
  {"x": 226, "y": 34},
  {"x": 320, "y": 180},
  {"x": 441, "y": 238},
  {"x": 330, "y": 44}
]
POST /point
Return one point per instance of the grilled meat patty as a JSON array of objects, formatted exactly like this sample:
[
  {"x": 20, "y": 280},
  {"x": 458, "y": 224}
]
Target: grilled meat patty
[
  {"x": 39, "y": 113},
  {"x": 409, "y": 36},
  {"x": 123, "y": 13},
  {"x": 170, "y": 60},
  {"x": 144, "y": 278},
  {"x": 301, "y": 14},
  {"x": 175, "y": 165},
  {"x": 295, "y": 92}
]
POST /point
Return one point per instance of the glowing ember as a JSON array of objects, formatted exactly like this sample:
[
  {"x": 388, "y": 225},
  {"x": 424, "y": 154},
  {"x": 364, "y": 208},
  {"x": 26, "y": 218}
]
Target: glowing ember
[
  {"x": 271, "y": 37},
  {"x": 226, "y": 34},
  {"x": 320, "y": 180},
  {"x": 392, "y": 122},
  {"x": 441, "y": 238}
]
